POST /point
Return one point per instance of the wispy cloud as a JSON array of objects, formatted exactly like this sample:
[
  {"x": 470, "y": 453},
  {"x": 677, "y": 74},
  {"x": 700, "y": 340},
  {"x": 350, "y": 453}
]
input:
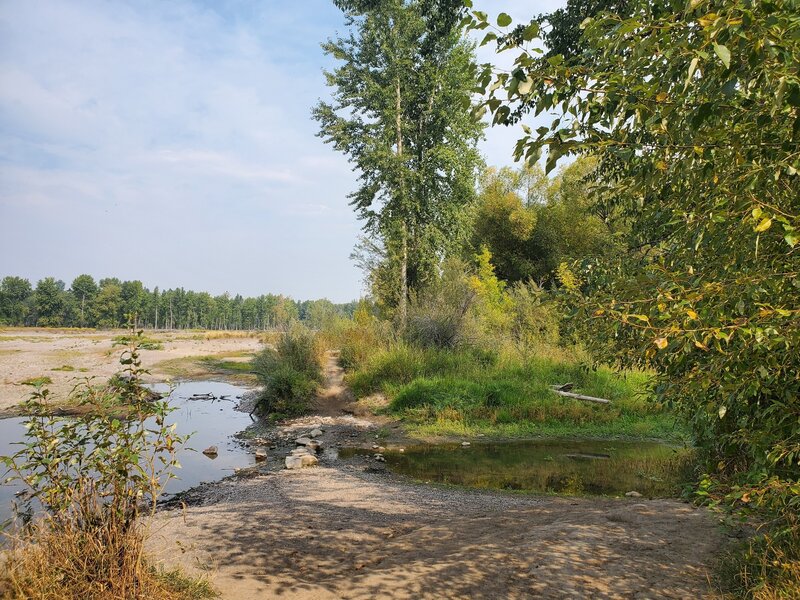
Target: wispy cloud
[{"x": 184, "y": 126}]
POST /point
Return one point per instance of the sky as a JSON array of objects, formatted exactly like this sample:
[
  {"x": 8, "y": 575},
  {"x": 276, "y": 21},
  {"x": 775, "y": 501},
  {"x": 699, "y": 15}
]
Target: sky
[{"x": 171, "y": 142}]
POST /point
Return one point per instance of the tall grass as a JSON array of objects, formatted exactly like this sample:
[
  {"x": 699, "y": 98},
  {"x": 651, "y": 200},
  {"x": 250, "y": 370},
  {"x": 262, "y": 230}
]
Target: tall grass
[{"x": 473, "y": 390}]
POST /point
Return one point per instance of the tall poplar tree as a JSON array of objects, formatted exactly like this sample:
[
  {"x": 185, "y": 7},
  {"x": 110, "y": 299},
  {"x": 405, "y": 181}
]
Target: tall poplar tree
[{"x": 401, "y": 112}]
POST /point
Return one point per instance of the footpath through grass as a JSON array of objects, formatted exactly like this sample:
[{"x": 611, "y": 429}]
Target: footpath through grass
[{"x": 470, "y": 392}]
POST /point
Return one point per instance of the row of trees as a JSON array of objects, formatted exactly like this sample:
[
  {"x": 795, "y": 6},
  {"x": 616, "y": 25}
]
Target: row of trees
[{"x": 106, "y": 304}]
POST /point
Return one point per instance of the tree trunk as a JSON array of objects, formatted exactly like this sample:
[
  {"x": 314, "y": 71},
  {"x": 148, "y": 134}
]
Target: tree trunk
[{"x": 402, "y": 307}]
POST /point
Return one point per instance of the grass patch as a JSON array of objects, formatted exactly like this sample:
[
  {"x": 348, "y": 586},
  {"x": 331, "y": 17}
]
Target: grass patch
[
  {"x": 37, "y": 381},
  {"x": 183, "y": 586},
  {"x": 222, "y": 365},
  {"x": 470, "y": 392},
  {"x": 65, "y": 368}
]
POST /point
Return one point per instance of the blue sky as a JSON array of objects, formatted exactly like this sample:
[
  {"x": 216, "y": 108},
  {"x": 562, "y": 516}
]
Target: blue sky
[{"x": 171, "y": 142}]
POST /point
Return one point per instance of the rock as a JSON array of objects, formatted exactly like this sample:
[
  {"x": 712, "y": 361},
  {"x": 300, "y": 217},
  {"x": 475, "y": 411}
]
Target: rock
[
  {"x": 261, "y": 454},
  {"x": 302, "y": 441},
  {"x": 465, "y": 444},
  {"x": 314, "y": 445},
  {"x": 374, "y": 446},
  {"x": 633, "y": 494},
  {"x": 402, "y": 450},
  {"x": 308, "y": 460},
  {"x": 316, "y": 433},
  {"x": 211, "y": 451},
  {"x": 380, "y": 458},
  {"x": 294, "y": 462},
  {"x": 299, "y": 451}
]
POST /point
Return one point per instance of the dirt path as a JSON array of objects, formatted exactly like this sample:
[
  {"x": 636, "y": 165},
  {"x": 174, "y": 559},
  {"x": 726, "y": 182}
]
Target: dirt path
[{"x": 343, "y": 530}]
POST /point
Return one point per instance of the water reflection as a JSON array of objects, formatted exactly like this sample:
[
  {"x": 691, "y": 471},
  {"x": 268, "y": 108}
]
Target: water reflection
[{"x": 548, "y": 466}]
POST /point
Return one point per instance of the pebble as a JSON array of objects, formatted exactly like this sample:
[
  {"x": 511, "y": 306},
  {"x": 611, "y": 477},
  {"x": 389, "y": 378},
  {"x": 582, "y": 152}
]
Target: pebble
[
  {"x": 633, "y": 494},
  {"x": 211, "y": 451},
  {"x": 465, "y": 444}
]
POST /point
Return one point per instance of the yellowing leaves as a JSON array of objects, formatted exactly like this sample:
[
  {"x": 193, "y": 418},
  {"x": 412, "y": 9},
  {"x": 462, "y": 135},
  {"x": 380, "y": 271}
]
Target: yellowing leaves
[
  {"x": 763, "y": 225},
  {"x": 693, "y": 315},
  {"x": 660, "y": 343}
]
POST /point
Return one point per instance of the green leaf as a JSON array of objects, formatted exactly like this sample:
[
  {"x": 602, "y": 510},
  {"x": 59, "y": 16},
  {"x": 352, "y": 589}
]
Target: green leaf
[
  {"x": 792, "y": 238},
  {"x": 531, "y": 32},
  {"x": 504, "y": 20},
  {"x": 724, "y": 54}
]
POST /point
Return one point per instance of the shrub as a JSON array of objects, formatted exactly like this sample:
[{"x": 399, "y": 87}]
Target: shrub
[
  {"x": 439, "y": 315},
  {"x": 290, "y": 373}
]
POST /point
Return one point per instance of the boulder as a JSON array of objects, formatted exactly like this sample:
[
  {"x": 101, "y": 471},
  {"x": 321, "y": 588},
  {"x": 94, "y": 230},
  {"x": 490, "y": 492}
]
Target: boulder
[
  {"x": 300, "y": 451},
  {"x": 316, "y": 433},
  {"x": 314, "y": 445},
  {"x": 294, "y": 462},
  {"x": 261, "y": 454},
  {"x": 302, "y": 441},
  {"x": 211, "y": 451},
  {"x": 633, "y": 494}
]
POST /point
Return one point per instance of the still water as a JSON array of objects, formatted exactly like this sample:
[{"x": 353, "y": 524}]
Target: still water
[
  {"x": 560, "y": 466},
  {"x": 211, "y": 423}
]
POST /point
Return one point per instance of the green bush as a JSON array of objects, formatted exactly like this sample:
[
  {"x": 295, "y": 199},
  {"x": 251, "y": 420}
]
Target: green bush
[{"x": 290, "y": 373}]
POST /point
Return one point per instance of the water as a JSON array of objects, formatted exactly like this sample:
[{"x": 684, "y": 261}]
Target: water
[
  {"x": 569, "y": 467},
  {"x": 211, "y": 422}
]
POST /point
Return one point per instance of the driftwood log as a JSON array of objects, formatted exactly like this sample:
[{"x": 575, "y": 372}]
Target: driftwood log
[{"x": 561, "y": 392}]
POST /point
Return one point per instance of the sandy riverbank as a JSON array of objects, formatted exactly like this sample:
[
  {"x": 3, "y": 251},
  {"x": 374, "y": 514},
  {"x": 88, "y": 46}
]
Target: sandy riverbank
[{"x": 27, "y": 353}]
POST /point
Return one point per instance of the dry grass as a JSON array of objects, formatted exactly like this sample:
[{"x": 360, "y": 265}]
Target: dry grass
[{"x": 59, "y": 559}]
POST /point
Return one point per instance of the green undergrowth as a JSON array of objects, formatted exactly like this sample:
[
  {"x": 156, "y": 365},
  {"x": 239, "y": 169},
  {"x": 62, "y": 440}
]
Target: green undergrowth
[{"x": 470, "y": 392}]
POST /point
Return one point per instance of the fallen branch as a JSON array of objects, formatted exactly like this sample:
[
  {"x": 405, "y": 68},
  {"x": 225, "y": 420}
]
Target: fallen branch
[{"x": 561, "y": 392}]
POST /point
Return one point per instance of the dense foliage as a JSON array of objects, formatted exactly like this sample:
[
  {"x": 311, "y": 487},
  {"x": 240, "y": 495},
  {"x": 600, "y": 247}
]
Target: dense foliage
[
  {"x": 693, "y": 112},
  {"x": 531, "y": 224},
  {"x": 108, "y": 303}
]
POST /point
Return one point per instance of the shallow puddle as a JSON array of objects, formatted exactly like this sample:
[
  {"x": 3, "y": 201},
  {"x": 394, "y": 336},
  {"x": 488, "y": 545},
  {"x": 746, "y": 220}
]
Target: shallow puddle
[
  {"x": 212, "y": 422},
  {"x": 570, "y": 467}
]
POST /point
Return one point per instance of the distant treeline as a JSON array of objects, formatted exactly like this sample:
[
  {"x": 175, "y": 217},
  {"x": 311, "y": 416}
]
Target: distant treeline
[{"x": 107, "y": 304}]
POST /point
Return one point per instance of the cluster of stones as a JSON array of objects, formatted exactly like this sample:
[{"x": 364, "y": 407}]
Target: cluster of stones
[
  {"x": 305, "y": 453},
  {"x": 378, "y": 453}
]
